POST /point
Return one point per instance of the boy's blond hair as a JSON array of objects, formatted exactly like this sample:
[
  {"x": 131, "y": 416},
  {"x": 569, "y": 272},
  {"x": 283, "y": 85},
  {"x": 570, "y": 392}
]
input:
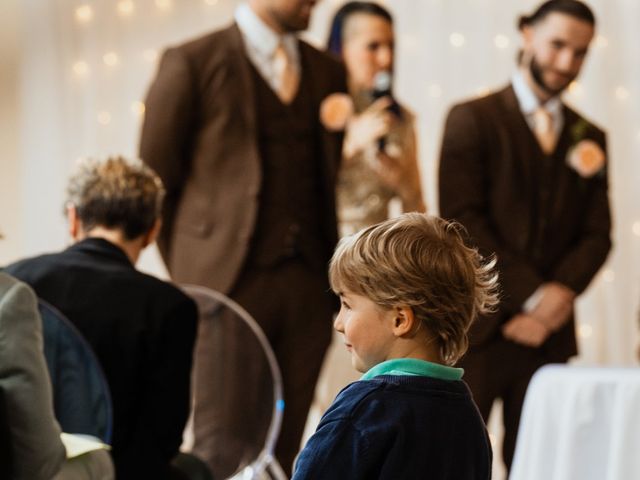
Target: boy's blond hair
[
  {"x": 422, "y": 262},
  {"x": 116, "y": 192}
]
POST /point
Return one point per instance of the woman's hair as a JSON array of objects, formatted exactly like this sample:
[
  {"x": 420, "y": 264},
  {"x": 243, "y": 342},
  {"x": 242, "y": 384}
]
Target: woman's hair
[
  {"x": 334, "y": 43},
  {"x": 574, "y": 8},
  {"x": 116, "y": 193},
  {"x": 422, "y": 262}
]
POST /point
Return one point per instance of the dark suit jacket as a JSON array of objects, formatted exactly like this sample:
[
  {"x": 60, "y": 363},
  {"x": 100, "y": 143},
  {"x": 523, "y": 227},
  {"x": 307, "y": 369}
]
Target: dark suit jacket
[
  {"x": 200, "y": 136},
  {"x": 543, "y": 220},
  {"x": 142, "y": 330}
]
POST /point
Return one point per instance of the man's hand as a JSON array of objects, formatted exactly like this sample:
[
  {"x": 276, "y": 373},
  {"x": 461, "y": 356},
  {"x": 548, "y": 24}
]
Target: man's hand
[
  {"x": 525, "y": 330},
  {"x": 555, "y": 307}
]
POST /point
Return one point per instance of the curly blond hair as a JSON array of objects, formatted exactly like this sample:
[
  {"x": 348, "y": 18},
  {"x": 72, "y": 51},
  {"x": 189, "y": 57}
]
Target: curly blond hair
[
  {"x": 422, "y": 262},
  {"x": 116, "y": 192}
]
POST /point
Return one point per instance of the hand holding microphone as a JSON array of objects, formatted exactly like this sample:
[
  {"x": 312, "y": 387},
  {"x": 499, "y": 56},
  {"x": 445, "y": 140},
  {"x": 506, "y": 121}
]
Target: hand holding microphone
[{"x": 368, "y": 127}]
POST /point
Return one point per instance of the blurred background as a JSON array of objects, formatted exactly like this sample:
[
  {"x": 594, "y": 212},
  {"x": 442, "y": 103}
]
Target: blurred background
[{"x": 75, "y": 72}]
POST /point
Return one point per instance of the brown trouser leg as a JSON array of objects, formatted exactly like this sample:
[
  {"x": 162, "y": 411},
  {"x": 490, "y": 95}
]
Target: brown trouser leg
[
  {"x": 501, "y": 369},
  {"x": 293, "y": 305}
]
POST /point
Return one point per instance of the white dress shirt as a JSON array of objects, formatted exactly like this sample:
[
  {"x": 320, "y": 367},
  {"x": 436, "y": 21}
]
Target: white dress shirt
[
  {"x": 261, "y": 42},
  {"x": 529, "y": 103}
]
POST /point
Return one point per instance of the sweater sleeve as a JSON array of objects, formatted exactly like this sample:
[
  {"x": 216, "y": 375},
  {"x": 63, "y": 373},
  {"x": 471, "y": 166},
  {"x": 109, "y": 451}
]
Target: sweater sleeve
[
  {"x": 337, "y": 450},
  {"x": 351, "y": 439}
]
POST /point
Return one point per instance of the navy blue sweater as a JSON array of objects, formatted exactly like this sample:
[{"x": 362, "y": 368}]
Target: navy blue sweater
[{"x": 399, "y": 427}]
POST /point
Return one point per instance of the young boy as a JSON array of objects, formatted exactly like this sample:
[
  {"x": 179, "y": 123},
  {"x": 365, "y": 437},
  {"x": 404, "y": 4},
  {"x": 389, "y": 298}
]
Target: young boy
[{"x": 409, "y": 290}]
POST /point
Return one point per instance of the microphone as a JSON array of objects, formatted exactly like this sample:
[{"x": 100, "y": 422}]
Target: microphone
[
  {"x": 381, "y": 84},
  {"x": 382, "y": 88}
]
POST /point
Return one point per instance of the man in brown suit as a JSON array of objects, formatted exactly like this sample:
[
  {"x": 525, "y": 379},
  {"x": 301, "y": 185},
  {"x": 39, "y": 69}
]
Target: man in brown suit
[
  {"x": 526, "y": 175},
  {"x": 232, "y": 127}
]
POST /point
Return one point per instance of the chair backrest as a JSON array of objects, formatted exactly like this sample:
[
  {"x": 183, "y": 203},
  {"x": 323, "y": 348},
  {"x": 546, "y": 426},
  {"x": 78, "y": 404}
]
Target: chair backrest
[
  {"x": 237, "y": 390},
  {"x": 81, "y": 397},
  {"x": 5, "y": 443}
]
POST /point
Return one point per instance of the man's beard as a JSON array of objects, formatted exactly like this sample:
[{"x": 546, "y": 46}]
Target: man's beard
[
  {"x": 291, "y": 24},
  {"x": 537, "y": 75}
]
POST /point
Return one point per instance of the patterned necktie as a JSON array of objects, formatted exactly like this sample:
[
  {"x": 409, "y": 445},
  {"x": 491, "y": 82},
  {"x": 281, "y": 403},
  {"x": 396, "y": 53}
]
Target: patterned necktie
[
  {"x": 543, "y": 129},
  {"x": 286, "y": 74}
]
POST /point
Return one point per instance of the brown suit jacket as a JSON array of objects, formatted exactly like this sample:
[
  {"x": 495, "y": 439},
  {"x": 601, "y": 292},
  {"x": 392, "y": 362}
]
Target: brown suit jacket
[
  {"x": 200, "y": 136},
  {"x": 537, "y": 214}
]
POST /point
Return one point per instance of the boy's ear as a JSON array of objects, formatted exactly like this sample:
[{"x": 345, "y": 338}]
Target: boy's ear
[
  {"x": 152, "y": 234},
  {"x": 73, "y": 222},
  {"x": 404, "y": 321}
]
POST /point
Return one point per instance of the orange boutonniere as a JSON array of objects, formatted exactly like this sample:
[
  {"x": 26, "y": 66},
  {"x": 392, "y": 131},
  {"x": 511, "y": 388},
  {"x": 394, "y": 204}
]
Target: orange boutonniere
[
  {"x": 585, "y": 156},
  {"x": 335, "y": 111}
]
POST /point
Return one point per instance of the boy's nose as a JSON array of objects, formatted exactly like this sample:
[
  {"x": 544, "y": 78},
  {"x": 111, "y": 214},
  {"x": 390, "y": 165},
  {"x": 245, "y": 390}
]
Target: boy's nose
[{"x": 337, "y": 324}]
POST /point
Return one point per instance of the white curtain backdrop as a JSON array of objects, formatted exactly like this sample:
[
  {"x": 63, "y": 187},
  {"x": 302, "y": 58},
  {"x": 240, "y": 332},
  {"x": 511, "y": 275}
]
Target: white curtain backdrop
[{"x": 86, "y": 65}]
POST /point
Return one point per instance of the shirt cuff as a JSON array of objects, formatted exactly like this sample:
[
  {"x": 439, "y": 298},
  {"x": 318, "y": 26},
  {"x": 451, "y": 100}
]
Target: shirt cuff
[{"x": 532, "y": 302}]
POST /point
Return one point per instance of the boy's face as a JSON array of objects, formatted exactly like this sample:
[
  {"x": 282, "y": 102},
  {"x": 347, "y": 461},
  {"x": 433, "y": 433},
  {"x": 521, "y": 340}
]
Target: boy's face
[{"x": 367, "y": 330}]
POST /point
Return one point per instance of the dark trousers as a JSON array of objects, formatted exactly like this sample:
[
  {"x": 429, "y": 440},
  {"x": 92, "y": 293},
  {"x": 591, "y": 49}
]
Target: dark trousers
[
  {"x": 233, "y": 394},
  {"x": 294, "y": 306},
  {"x": 502, "y": 369}
]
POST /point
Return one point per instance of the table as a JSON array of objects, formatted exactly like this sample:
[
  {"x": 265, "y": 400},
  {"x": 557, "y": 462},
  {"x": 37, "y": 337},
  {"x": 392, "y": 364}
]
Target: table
[{"x": 580, "y": 423}]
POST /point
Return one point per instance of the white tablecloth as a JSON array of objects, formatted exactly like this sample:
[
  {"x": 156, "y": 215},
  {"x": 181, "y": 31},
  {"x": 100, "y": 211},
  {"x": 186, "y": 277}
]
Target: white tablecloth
[{"x": 580, "y": 423}]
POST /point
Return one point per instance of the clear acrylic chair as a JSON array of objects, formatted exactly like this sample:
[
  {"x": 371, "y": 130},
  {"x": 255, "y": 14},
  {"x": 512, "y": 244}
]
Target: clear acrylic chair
[
  {"x": 236, "y": 392},
  {"x": 81, "y": 395}
]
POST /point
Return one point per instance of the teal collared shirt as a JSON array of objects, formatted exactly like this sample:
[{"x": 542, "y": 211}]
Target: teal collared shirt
[{"x": 413, "y": 366}]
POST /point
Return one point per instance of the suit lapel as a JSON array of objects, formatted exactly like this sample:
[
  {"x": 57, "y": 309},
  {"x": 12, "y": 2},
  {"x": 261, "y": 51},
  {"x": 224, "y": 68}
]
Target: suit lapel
[
  {"x": 240, "y": 64},
  {"x": 566, "y": 181},
  {"x": 520, "y": 134}
]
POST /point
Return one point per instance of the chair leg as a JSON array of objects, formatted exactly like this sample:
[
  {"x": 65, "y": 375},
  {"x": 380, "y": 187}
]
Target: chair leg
[
  {"x": 191, "y": 467},
  {"x": 275, "y": 470}
]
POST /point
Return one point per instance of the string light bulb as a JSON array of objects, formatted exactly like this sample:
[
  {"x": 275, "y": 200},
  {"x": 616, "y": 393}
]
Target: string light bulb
[
  {"x": 457, "y": 39},
  {"x": 81, "y": 68},
  {"x": 111, "y": 59},
  {"x": 483, "y": 91},
  {"x": 84, "y": 13},
  {"x": 585, "y": 331},
  {"x": 138, "y": 108},
  {"x": 501, "y": 41},
  {"x": 125, "y": 8},
  {"x": 150, "y": 55},
  {"x": 164, "y": 5},
  {"x": 104, "y": 118},
  {"x": 621, "y": 93},
  {"x": 575, "y": 88}
]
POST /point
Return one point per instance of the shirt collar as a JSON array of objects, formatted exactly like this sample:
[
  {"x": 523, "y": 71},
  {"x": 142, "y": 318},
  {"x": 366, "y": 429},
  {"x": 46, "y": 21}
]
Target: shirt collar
[
  {"x": 102, "y": 247},
  {"x": 259, "y": 35},
  {"x": 528, "y": 101},
  {"x": 413, "y": 366}
]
